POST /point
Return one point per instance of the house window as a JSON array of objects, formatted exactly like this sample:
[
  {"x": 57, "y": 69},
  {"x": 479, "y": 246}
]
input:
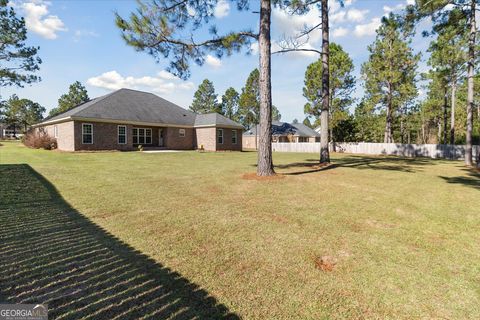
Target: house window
[
  {"x": 302, "y": 139},
  {"x": 87, "y": 133},
  {"x": 55, "y": 131},
  {"x": 135, "y": 135},
  {"x": 181, "y": 133},
  {"x": 220, "y": 136},
  {"x": 122, "y": 134},
  {"x": 234, "y": 136},
  {"x": 142, "y": 136}
]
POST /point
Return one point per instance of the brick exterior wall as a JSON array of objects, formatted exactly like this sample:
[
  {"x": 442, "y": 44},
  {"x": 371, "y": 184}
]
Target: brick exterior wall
[
  {"x": 227, "y": 140},
  {"x": 105, "y": 137},
  {"x": 65, "y": 138},
  {"x": 249, "y": 142},
  {"x": 205, "y": 137},
  {"x": 175, "y": 141},
  {"x": 208, "y": 138}
]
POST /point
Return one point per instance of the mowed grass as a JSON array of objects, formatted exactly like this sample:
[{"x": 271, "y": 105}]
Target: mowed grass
[{"x": 404, "y": 234}]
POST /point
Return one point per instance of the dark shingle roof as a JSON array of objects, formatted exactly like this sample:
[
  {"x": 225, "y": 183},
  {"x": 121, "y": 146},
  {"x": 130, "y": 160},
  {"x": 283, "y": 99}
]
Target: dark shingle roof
[
  {"x": 215, "y": 119},
  {"x": 283, "y": 128},
  {"x": 138, "y": 106}
]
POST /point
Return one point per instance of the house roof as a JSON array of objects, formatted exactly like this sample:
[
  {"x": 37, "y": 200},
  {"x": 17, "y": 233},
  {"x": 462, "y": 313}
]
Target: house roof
[
  {"x": 138, "y": 106},
  {"x": 284, "y": 128},
  {"x": 214, "y": 119}
]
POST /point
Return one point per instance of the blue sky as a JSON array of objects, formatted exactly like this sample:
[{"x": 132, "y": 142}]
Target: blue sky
[{"x": 79, "y": 41}]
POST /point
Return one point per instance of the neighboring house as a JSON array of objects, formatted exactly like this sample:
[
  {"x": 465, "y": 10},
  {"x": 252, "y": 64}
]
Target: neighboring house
[
  {"x": 9, "y": 132},
  {"x": 282, "y": 132},
  {"x": 125, "y": 119}
]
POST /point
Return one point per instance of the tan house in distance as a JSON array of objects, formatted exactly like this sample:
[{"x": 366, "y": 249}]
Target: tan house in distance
[
  {"x": 125, "y": 119},
  {"x": 282, "y": 132}
]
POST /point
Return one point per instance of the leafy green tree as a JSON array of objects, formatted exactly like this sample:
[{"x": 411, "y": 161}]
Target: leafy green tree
[
  {"x": 433, "y": 109},
  {"x": 342, "y": 84},
  {"x": 307, "y": 122},
  {"x": 205, "y": 99},
  {"x": 369, "y": 123},
  {"x": 21, "y": 113},
  {"x": 230, "y": 100},
  {"x": 389, "y": 74},
  {"x": 18, "y": 62},
  {"x": 77, "y": 94}
]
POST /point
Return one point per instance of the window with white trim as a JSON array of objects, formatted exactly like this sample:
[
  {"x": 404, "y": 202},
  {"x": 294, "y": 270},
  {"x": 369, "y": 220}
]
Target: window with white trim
[
  {"x": 142, "y": 136},
  {"x": 181, "y": 132},
  {"x": 122, "y": 134},
  {"x": 220, "y": 136},
  {"x": 87, "y": 133},
  {"x": 234, "y": 136},
  {"x": 55, "y": 131}
]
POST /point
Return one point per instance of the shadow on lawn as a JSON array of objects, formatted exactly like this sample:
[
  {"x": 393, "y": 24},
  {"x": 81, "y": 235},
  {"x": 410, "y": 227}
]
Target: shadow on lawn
[
  {"x": 359, "y": 162},
  {"x": 50, "y": 253},
  {"x": 472, "y": 180}
]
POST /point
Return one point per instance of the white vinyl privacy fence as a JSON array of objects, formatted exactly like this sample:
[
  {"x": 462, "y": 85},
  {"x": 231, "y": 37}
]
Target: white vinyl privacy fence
[{"x": 445, "y": 151}]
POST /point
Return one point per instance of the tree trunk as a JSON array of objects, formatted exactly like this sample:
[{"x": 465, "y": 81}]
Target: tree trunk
[
  {"x": 402, "y": 130},
  {"x": 423, "y": 132},
  {"x": 264, "y": 160},
  {"x": 388, "y": 125},
  {"x": 471, "y": 67},
  {"x": 439, "y": 134},
  {"x": 452, "y": 115},
  {"x": 445, "y": 116},
  {"x": 324, "y": 153}
]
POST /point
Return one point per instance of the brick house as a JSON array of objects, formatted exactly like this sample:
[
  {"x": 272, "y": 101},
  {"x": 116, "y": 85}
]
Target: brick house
[
  {"x": 282, "y": 132},
  {"x": 126, "y": 118}
]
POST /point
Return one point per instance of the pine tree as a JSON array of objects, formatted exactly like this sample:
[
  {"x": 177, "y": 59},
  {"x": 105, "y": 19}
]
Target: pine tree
[
  {"x": 205, "y": 99},
  {"x": 341, "y": 86},
  {"x": 77, "y": 94},
  {"x": 439, "y": 11},
  {"x": 389, "y": 74},
  {"x": 230, "y": 100},
  {"x": 165, "y": 29},
  {"x": 18, "y": 63},
  {"x": 448, "y": 59},
  {"x": 249, "y": 102}
]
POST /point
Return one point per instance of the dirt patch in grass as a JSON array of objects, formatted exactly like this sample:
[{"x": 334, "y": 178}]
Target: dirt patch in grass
[
  {"x": 325, "y": 263},
  {"x": 253, "y": 176}
]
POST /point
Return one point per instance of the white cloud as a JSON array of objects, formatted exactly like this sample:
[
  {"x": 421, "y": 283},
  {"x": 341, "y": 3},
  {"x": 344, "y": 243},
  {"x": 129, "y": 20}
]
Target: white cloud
[
  {"x": 39, "y": 21},
  {"x": 356, "y": 15},
  {"x": 213, "y": 61},
  {"x": 398, "y": 7},
  {"x": 368, "y": 29},
  {"x": 410, "y": 2},
  {"x": 84, "y": 34},
  {"x": 290, "y": 25},
  {"x": 222, "y": 9},
  {"x": 339, "y": 32},
  {"x": 163, "y": 83}
]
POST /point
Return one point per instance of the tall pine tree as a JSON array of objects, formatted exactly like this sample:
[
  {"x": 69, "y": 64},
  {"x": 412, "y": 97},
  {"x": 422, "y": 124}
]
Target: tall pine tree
[
  {"x": 341, "y": 86},
  {"x": 389, "y": 74},
  {"x": 205, "y": 99}
]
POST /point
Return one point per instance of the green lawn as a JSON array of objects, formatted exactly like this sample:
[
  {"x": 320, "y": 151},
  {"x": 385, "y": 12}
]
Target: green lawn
[{"x": 179, "y": 235}]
